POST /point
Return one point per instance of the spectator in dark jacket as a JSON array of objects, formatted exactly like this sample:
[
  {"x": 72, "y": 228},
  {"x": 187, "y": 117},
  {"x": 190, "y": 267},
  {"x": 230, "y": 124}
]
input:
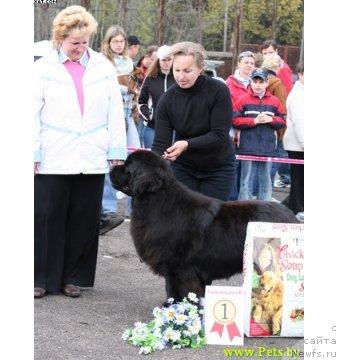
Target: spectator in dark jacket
[
  {"x": 192, "y": 125},
  {"x": 257, "y": 115},
  {"x": 158, "y": 80}
]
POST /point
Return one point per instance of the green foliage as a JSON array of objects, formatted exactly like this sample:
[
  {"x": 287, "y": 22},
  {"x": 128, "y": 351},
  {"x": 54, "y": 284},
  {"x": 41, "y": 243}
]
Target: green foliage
[
  {"x": 257, "y": 21},
  {"x": 184, "y": 21},
  {"x": 145, "y": 21}
]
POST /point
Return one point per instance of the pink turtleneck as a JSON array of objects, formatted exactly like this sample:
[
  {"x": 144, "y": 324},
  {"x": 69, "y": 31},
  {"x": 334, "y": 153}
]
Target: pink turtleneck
[{"x": 76, "y": 70}]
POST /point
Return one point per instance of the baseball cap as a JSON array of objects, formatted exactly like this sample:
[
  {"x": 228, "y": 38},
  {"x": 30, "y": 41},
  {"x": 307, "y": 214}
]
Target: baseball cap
[
  {"x": 261, "y": 73},
  {"x": 163, "y": 52},
  {"x": 133, "y": 40}
]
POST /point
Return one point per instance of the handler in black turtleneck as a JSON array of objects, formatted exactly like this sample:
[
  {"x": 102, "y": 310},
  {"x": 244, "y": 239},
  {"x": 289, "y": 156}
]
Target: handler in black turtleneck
[{"x": 198, "y": 111}]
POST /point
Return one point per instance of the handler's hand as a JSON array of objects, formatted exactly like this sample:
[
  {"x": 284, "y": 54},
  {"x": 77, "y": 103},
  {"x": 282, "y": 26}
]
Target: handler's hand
[
  {"x": 36, "y": 167},
  {"x": 113, "y": 163},
  {"x": 174, "y": 151}
]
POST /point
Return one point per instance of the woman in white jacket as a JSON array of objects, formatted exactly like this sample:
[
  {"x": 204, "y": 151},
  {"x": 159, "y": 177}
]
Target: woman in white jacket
[
  {"x": 79, "y": 131},
  {"x": 293, "y": 142}
]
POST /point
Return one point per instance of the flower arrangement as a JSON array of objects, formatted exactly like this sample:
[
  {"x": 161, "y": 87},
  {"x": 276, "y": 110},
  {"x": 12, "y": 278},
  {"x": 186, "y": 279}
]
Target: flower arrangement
[{"x": 179, "y": 325}]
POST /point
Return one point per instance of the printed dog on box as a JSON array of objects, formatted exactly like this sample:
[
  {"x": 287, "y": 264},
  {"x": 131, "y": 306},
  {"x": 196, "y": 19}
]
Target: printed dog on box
[{"x": 268, "y": 301}]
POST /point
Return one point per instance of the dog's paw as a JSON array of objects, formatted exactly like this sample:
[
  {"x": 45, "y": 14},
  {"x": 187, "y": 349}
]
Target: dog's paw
[
  {"x": 275, "y": 328},
  {"x": 257, "y": 314}
]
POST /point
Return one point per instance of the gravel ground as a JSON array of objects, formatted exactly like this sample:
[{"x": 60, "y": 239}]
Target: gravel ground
[{"x": 90, "y": 327}]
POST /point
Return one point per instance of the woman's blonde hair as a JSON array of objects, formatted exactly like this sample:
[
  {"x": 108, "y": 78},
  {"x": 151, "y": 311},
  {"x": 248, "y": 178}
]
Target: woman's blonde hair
[
  {"x": 272, "y": 62},
  {"x": 71, "y": 18},
  {"x": 111, "y": 33},
  {"x": 190, "y": 48}
]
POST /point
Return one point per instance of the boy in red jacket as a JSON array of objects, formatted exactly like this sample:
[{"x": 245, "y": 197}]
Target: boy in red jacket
[{"x": 257, "y": 115}]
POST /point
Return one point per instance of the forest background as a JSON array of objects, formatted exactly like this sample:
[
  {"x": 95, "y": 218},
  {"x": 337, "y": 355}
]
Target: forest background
[{"x": 227, "y": 26}]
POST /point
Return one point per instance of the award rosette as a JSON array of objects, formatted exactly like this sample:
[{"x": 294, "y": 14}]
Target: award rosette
[{"x": 224, "y": 315}]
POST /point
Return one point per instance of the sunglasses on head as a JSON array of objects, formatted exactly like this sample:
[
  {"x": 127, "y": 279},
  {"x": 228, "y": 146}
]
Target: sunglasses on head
[{"x": 245, "y": 54}]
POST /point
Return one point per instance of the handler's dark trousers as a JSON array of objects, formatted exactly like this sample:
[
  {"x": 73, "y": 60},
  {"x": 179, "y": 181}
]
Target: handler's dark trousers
[
  {"x": 296, "y": 198},
  {"x": 217, "y": 183},
  {"x": 66, "y": 229}
]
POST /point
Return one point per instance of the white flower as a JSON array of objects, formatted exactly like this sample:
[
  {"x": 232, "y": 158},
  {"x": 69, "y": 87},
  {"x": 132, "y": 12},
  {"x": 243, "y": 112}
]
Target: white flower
[
  {"x": 180, "y": 319},
  {"x": 178, "y": 346},
  {"x": 158, "y": 332},
  {"x": 145, "y": 350},
  {"x": 192, "y": 297},
  {"x": 157, "y": 312},
  {"x": 169, "y": 314},
  {"x": 159, "y": 322},
  {"x": 176, "y": 335},
  {"x": 170, "y": 300},
  {"x": 126, "y": 335},
  {"x": 139, "y": 325},
  {"x": 180, "y": 308},
  {"x": 160, "y": 345},
  {"x": 171, "y": 335},
  {"x": 195, "y": 327}
]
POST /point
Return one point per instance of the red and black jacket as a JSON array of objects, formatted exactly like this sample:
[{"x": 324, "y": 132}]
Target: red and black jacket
[{"x": 258, "y": 139}]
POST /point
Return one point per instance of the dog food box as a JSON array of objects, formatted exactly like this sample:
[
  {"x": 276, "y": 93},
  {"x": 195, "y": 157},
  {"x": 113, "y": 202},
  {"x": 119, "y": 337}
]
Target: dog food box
[{"x": 273, "y": 272}]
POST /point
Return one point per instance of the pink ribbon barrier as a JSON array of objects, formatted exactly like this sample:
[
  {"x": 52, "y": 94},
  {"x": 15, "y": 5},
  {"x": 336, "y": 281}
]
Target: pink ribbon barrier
[{"x": 248, "y": 157}]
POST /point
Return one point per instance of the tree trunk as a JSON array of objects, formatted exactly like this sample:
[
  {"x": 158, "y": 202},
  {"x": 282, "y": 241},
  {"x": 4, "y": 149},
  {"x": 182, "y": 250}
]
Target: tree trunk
[
  {"x": 123, "y": 14},
  {"x": 238, "y": 32},
  {"x": 225, "y": 33},
  {"x": 274, "y": 20},
  {"x": 85, "y": 4},
  {"x": 162, "y": 19},
  {"x": 200, "y": 8}
]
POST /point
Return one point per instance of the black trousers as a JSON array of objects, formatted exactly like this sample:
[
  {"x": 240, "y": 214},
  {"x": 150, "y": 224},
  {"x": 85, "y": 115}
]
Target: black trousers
[
  {"x": 296, "y": 197},
  {"x": 217, "y": 183},
  {"x": 66, "y": 229}
]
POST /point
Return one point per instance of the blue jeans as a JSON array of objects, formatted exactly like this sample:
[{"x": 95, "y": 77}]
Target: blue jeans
[
  {"x": 148, "y": 137},
  {"x": 264, "y": 181},
  {"x": 109, "y": 200},
  {"x": 282, "y": 169},
  {"x": 140, "y": 128},
  {"x": 235, "y": 189}
]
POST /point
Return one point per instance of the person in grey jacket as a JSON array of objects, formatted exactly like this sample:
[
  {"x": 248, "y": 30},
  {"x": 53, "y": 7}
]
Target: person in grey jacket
[{"x": 79, "y": 131}]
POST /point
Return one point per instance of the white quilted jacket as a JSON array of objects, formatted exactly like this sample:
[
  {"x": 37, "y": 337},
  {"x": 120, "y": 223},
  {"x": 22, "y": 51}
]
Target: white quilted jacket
[{"x": 67, "y": 142}]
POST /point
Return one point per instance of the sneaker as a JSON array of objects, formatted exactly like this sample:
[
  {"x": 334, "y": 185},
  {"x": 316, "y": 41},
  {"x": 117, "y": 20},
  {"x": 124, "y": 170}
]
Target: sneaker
[
  {"x": 275, "y": 200},
  {"x": 278, "y": 184},
  {"x": 109, "y": 221},
  {"x": 300, "y": 216}
]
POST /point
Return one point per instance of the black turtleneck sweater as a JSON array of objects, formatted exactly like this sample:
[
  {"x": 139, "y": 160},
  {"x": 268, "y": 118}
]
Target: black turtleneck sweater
[{"x": 202, "y": 116}]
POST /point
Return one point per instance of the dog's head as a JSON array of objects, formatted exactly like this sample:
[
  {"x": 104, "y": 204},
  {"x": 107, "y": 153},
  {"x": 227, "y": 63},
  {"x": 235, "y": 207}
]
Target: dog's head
[
  {"x": 268, "y": 281},
  {"x": 143, "y": 172}
]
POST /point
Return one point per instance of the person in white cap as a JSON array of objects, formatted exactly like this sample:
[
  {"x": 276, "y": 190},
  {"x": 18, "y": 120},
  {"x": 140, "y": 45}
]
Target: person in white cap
[{"x": 159, "y": 78}]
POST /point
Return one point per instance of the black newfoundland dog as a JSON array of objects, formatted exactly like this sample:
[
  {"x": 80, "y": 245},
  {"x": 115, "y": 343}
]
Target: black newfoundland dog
[{"x": 186, "y": 237}]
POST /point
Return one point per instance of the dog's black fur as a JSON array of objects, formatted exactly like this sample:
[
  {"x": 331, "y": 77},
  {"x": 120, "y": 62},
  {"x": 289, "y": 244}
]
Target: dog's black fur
[{"x": 188, "y": 238}]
